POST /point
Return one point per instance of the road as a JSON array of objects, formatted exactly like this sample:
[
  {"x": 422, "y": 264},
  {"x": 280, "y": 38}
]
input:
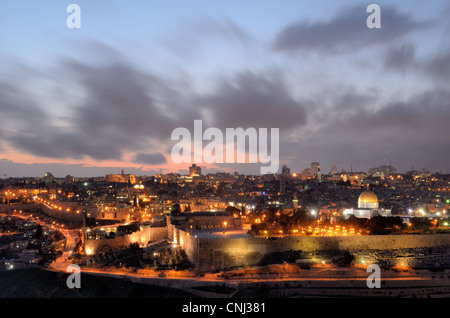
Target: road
[{"x": 60, "y": 263}]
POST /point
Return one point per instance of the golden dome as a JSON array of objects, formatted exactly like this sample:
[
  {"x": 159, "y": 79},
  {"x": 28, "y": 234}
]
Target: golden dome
[{"x": 368, "y": 197}]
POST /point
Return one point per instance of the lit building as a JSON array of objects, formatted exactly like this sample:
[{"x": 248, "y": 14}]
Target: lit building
[
  {"x": 382, "y": 171},
  {"x": 368, "y": 207},
  {"x": 307, "y": 174},
  {"x": 48, "y": 177},
  {"x": 285, "y": 171},
  {"x": 121, "y": 178},
  {"x": 195, "y": 171},
  {"x": 315, "y": 168},
  {"x": 334, "y": 170},
  {"x": 114, "y": 212},
  {"x": 192, "y": 221}
]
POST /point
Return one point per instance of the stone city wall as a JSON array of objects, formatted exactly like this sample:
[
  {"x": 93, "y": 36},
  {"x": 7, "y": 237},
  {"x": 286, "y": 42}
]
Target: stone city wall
[
  {"x": 214, "y": 253},
  {"x": 18, "y": 207},
  {"x": 56, "y": 213},
  {"x": 62, "y": 214},
  {"x": 148, "y": 234}
]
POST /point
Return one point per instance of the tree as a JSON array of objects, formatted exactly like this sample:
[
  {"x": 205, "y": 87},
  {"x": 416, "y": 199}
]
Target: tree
[
  {"x": 232, "y": 209},
  {"x": 270, "y": 215},
  {"x": 383, "y": 225},
  {"x": 348, "y": 258},
  {"x": 134, "y": 247},
  {"x": 285, "y": 222},
  {"x": 176, "y": 209},
  {"x": 355, "y": 222},
  {"x": 421, "y": 224},
  {"x": 300, "y": 217},
  {"x": 39, "y": 233},
  {"x": 394, "y": 222},
  {"x": 258, "y": 208},
  {"x": 378, "y": 225}
]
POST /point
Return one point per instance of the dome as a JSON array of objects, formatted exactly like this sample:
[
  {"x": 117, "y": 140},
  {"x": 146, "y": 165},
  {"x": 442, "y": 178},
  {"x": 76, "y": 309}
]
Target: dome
[{"x": 368, "y": 197}]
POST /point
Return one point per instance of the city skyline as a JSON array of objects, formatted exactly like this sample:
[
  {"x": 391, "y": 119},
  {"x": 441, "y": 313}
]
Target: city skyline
[
  {"x": 95, "y": 100},
  {"x": 63, "y": 170}
]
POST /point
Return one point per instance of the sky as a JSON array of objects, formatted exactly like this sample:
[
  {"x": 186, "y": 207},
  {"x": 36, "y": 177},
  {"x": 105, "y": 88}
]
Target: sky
[{"x": 107, "y": 96}]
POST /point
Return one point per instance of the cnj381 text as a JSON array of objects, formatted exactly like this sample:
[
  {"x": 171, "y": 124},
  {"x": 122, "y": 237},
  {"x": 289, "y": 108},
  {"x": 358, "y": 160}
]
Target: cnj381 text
[{"x": 244, "y": 308}]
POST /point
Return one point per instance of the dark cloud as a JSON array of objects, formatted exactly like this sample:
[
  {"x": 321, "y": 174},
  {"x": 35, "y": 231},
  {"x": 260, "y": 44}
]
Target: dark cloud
[
  {"x": 20, "y": 114},
  {"x": 411, "y": 132},
  {"x": 122, "y": 101},
  {"x": 17, "y": 107},
  {"x": 150, "y": 158},
  {"x": 125, "y": 110},
  {"x": 195, "y": 39},
  {"x": 346, "y": 32},
  {"x": 251, "y": 99},
  {"x": 122, "y": 109},
  {"x": 438, "y": 67},
  {"x": 401, "y": 58},
  {"x": 210, "y": 29}
]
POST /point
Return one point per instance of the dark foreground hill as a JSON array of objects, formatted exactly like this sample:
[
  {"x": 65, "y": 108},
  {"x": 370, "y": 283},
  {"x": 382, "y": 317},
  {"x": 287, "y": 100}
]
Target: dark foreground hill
[{"x": 39, "y": 283}]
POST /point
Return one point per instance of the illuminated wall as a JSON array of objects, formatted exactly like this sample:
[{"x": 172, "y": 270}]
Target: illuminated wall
[
  {"x": 145, "y": 235},
  {"x": 215, "y": 253}
]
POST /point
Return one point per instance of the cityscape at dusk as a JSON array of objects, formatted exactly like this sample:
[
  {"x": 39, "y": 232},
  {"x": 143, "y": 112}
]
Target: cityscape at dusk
[{"x": 229, "y": 150}]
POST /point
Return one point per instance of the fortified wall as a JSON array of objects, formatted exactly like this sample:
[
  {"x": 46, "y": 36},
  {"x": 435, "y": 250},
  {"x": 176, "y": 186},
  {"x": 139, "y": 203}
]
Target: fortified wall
[
  {"x": 219, "y": 253},
  {"x": 4, "y": 208},
  {"x": 142, "y": 237},
  {"x": 63, "y": 214}
]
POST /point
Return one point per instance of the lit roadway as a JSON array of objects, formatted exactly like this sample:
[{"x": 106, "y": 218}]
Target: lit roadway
[
  {"x": 60, "y": 263},
  {"x": 70, "y": 235}
]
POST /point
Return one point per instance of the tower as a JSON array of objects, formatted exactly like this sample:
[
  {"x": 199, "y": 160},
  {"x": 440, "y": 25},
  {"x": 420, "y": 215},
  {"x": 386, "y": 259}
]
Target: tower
[
  {"x": 282, "y": 185},
  {"x": 285, "y": 173},
  {"x": 334, "y": 170},
  {"x": 315, "y": 168},
  {"x": 195, "y": 171},
  {"x": 295, "y": 201}
]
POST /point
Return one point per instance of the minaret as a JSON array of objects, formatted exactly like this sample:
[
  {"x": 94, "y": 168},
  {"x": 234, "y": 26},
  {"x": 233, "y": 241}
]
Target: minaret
[
  {"x": 295, "y": 203},
  {"x": 285, "y": 173},
  {"x": 282, "y": 185}
]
